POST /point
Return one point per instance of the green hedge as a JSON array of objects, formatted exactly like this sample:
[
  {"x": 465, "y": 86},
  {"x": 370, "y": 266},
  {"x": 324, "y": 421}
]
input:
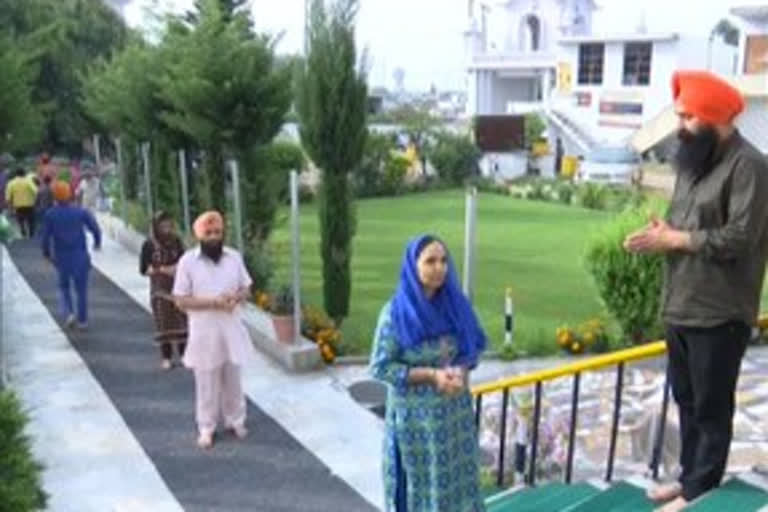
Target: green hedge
[{"x": 20, "y": 476}]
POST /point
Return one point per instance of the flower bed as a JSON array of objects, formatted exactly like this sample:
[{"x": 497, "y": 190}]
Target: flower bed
[
  {"x": 316, "y": 326},
  {"x": 589, "y": 336}
]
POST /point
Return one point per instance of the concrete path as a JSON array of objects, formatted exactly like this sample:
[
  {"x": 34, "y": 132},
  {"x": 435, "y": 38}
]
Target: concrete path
[
  {"x": 269, "y": 471},
  {"x": 92, "y": 460},
  {"x": 315, "y": 408}
]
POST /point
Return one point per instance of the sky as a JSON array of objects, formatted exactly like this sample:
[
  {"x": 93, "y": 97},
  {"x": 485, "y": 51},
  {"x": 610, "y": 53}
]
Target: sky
[{"x": 424, "y": 37}]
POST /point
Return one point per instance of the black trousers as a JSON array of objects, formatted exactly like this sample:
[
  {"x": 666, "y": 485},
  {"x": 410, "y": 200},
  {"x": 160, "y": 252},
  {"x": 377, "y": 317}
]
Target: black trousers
[
  {"x": 25, "y": 216},
  {"x": 704, "y": 365}
]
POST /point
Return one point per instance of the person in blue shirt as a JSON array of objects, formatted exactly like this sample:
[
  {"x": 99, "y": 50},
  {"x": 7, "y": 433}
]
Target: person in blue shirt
[{"x": 64, "y": 245}]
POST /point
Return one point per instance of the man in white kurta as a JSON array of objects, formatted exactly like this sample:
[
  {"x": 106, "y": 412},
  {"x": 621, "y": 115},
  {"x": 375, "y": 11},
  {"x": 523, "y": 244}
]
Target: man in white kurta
[{"x": 211, "y": 283}]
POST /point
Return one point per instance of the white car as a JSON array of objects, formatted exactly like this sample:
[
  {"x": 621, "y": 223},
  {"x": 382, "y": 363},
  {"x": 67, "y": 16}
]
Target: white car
[{"x": 610, "y": 165}]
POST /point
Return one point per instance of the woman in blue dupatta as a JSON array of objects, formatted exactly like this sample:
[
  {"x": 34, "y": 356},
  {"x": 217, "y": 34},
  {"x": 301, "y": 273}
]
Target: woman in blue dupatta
[{"x": 427, "y": 340}]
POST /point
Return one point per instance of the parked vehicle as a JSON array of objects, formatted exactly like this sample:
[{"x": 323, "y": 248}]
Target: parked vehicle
[{"x": 611, "y": 165}]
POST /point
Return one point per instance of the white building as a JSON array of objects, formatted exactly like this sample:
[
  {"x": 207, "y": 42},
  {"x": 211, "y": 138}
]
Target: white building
[
  {"x": 542, "y": 56},
  {"x": 751, "y": 78},
  {"x": 753, "y": 38}
]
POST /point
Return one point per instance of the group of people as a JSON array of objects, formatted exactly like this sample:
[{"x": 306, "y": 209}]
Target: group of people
[
  {"x": 428, "y": 338},
  {"x": 29, "y": 196}
]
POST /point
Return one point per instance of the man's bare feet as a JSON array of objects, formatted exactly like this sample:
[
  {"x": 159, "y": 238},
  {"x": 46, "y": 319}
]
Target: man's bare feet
[
  {"x": 240, "y": 432},
  {"x": 674, "y": 506},
  {"x": 205, "y": 441},
  {"x": 665, "y": 492}
]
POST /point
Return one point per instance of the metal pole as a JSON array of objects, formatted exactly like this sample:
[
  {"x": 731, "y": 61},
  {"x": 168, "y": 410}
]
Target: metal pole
[
  {"x": 121, "y": 174},
  {"x": 470, "y": 221},
  {"x": 509, "y": 318},
  {"x": 97, "y": 153},
  {"x": 295, "y": 231},
  {"x": 3, "y": 363},
  {"x": 235, "y": 169},
  {"x": 184, "y": 191},
  {"x": 147, "y": 182},
  {"x": 503, "y": 437}
]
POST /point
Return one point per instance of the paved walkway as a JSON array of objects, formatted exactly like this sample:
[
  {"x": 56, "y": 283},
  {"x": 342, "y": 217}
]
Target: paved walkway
[{"x": 271, "y": 470}]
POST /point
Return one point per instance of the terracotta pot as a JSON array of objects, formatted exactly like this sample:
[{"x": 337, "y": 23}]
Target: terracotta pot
[{"x": 284, "y": 328}]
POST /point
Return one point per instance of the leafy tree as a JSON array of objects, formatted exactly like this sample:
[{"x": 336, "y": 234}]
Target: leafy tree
[
  {"x": 63, "y": 37},
  {"x": 728, "y": 31},
  {"x": 21, "y": 121},
  {"x": 226, "y": 91},
  {"x": 229, "y": 9},
  {"x": 455, "y": 158},
  {"x": 332, "y": 106}
]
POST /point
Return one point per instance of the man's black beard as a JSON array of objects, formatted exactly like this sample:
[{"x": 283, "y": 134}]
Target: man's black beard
[
  {"x": 212, "y": 249},
  {"x": 696, "y": 153}
]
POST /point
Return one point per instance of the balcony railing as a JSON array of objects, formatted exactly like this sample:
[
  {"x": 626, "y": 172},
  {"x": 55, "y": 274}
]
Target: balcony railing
[
  {"x": 618, "y": 359},
  {"x": 509, "y": 60}
]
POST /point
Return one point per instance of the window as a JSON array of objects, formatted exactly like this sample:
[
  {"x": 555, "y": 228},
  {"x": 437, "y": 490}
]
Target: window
[
  {"x": 591, "y": 56},
  {"x": 637, "y": 63}
]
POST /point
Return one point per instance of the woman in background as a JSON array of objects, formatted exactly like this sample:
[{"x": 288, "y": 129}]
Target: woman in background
[{"x": 159, "y": 256}]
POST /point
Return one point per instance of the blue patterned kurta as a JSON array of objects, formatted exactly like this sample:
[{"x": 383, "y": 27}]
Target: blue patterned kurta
[{"x": 430, "y": 446}]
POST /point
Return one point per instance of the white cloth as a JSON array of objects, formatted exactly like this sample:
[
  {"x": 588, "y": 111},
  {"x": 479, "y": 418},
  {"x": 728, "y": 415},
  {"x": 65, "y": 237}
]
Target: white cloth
[
  {"x": 219, "y": 395},
  {"x": 215, "y": 337},
  {"x": 88, "y": 192}
]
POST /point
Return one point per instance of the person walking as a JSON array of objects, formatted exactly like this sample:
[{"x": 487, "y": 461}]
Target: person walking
[
  {"x": 64, "y": 244},
  {"x": 20, "y": 197}
]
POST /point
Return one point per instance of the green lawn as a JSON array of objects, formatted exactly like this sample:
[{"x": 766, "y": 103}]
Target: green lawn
[{"x": 533, "y": 247}]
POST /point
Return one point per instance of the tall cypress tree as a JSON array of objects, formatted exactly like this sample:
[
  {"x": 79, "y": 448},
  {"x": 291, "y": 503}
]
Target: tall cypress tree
[{"x": 332, "y": 101}]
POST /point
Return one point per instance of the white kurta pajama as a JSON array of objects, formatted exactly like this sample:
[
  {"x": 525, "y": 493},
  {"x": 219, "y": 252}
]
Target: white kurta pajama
[{"x": 219, "y": 343}]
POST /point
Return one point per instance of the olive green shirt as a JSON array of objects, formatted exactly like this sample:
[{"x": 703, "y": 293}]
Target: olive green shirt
[{"x": 726, "y": 212}]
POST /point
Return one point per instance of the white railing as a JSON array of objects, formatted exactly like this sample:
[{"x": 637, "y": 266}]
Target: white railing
[
  {"x": 513, "y": 60},
  {"x": 525, "y": 107}
]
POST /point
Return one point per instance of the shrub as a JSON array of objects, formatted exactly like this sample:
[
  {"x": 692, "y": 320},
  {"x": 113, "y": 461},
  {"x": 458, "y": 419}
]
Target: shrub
[
  {"x": 593, "y": 196},
  {"x": 306, "y": 194},
  {"x": 565, "y": 192},
  {"x": 393, "y": 178},
  {"x": 590, "y": 336},
  {"x": 259, "y": 261},
  {"x": 455, "y": 158},
  {"x": 281, "y": 302},
  {"x": 318, "y": 327},
  {"x": 20, "y": 476},
  {"x": 629, "y": 284}
]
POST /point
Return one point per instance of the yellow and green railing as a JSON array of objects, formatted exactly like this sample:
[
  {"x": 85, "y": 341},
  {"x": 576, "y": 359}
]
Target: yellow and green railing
[{"x": 619, "y": 360}]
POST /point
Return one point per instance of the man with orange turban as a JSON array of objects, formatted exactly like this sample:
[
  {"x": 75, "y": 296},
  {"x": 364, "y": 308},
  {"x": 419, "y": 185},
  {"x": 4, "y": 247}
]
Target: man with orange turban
[
  {"x": 64, "y": 228},
  {"x": 211, "y": 283},
  {"x": 715, "y": 242}
]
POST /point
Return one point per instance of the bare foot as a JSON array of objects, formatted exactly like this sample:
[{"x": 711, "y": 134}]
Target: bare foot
[
  {"x": 240, "y": 432},
  {"x": 205, "y": 441},
  {"x": 674, "y": 506},
  {"x": 665, "y": 492}
]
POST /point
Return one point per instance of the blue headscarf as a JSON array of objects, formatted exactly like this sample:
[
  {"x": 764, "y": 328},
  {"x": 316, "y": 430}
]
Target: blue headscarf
[{"x": 417, "y": 318}]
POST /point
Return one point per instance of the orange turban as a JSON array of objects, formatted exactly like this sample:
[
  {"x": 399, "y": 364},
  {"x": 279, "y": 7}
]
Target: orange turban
[
  {"x": 207, "y": 220},
  {"x": 706, "y": 96},
  {"x": 61, "y": 191}
]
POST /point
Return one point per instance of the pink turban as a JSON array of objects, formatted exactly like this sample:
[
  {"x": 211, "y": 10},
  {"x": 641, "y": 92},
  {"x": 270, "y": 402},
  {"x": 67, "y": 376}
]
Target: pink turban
[{"x": 208, "y": 220}]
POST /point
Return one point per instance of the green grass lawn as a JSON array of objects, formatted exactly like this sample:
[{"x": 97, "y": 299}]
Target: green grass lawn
[{"x": 534, "y": 248}]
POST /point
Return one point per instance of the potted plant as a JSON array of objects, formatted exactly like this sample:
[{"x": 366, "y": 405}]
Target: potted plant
[{"x": 281, "y": 309}]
